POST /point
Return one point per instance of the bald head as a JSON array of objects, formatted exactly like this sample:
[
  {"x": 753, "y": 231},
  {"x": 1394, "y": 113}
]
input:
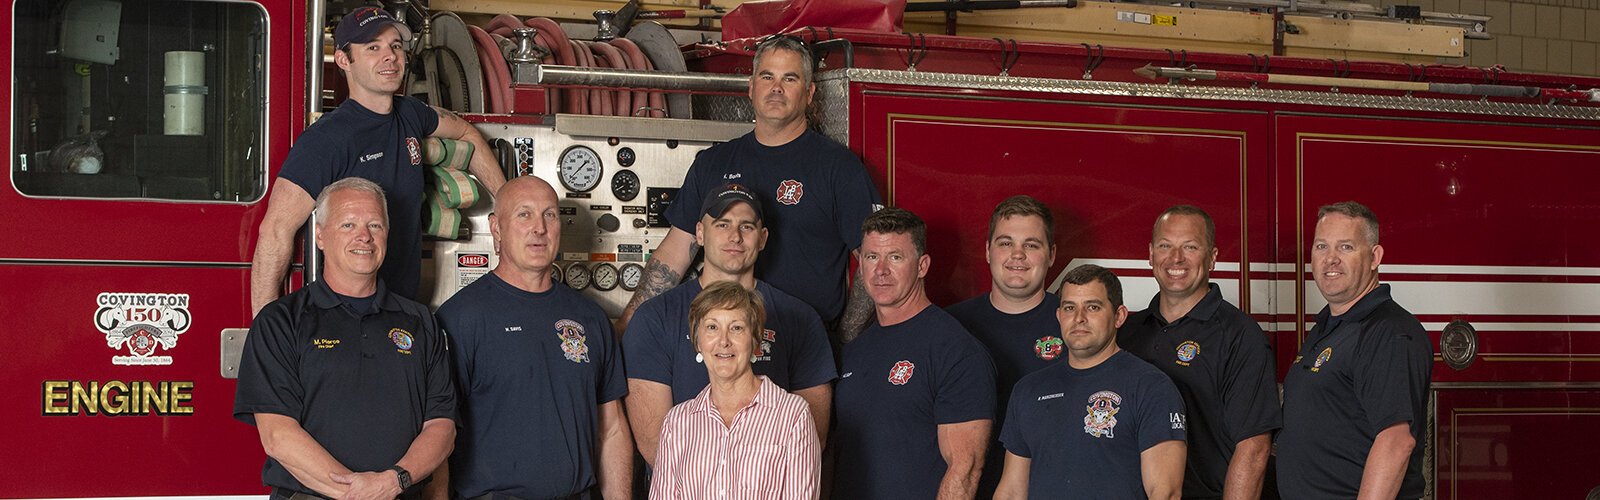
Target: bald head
[{"x": 520, "y": 189}]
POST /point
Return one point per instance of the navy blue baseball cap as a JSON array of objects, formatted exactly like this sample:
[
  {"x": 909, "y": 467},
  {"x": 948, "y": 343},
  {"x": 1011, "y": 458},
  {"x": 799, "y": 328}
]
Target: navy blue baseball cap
[
  {"x": 363, "y": 25},
  {"x": 725, "y": 196}
]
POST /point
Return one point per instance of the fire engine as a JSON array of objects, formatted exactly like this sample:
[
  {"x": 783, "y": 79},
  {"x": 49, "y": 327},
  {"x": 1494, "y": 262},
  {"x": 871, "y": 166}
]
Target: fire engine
[{"x": 144, "y": 137}]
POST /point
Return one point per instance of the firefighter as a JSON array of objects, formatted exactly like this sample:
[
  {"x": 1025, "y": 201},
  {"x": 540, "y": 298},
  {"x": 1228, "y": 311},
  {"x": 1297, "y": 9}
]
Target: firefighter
[
  {"x": 1355, "y": 401},
  {"x": 1215, "y": 353},
  {"x": 1016, "y": 320},
  {"x": 916, "y": 398},
  {"x": 346, "y": 382},
  {"x": 538, "y": 371},
  {"x": 1131, "y": 443},
  {"x": 816, "y": 193},
  {"x": 664, "y": 368},
  {"x": 375, "y": 135}
]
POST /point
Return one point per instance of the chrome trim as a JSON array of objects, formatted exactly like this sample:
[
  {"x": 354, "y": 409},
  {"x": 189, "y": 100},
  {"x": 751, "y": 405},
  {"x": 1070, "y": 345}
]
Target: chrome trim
[
  {"x": 651, "y": 128},
  {"x": 1176, "y": 91},
  {"x": 1458, "y": 344}
]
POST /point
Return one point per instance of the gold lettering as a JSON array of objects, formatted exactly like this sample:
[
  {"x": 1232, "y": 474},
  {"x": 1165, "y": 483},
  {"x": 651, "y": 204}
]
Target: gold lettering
[
  {"x": 84, "y": 400},
  {"x": 181, "y": 393},
  {"x": 155, "y": 397},
  {"x": 54, "y": 393},
  {"x": 113, "y": 403}
]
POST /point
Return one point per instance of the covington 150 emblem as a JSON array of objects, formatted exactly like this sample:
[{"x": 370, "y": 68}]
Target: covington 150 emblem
[
  {"x": 142, "y": 322},
  {"x": 1102, "y": 418}
]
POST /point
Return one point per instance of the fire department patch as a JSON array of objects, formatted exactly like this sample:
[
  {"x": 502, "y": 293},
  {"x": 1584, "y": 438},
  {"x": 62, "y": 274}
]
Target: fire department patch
[
  {"x": 1048, "y": 347},
  {"x": 901, "y": 372},
  {"x": 415, "y": 150},
  {"x": 1102, "y": 418},
  {"x": 142, "y": 322},
  {"x": 572, "y": 341},
  {"x": 767, "y": 338},
  {"x": 1187, "y": 351},
  {"x": 402, "y": 340},
  {"x": 790, "y": 191},
  {"x": 1327, "y": 353}
]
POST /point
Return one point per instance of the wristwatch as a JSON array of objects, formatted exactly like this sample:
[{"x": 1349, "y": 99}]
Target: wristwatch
[{"x": 405, "y": 477}]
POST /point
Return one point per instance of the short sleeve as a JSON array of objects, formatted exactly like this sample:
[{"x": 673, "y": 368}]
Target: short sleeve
[
  {"x": 420, "y": 113},
  {"x": 683, "y": 212},
  {"x": 268, "y": 382},
  {"x": 812, "y": 364},
  {"x": 613, "y": 381},
  {"x": 1161, "y": 416},
  {"x": 314, "y": 162},
  {"x": 462, "y": 332},
  {"x": 1011, "y": 434},
  {"x": 965, "y": 383},
  {"x": 857, "y": 198},
  {"x": 646, "y": 345},
  {"x": 1391, "y": 371},
  {"x": 441, "y": 395},
  {"x": 1250, "y": 388}
]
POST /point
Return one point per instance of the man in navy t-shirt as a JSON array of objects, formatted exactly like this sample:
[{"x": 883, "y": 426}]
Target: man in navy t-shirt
[
  {"x": 1131, "y": 441},
  {"x": 539, "y": 375},
  {"x": 916, "y": 399},
  {"x": 374, "y": 135},
  {"x": 1215, "y": 353},
  {"x": 663, "y": 366},
  {"x": 1016, "y": 320},
  {"x": 815, "y": 191},
  {"x": 1355, "y": 401}
]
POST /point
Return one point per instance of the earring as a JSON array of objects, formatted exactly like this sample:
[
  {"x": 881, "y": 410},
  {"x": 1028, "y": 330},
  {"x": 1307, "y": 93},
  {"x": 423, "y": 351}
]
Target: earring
[{"x": 699, "y": 358}]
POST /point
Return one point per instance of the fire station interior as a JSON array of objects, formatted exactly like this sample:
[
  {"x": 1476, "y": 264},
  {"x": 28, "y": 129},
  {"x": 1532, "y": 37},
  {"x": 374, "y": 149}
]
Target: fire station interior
[{"x": 159, "y": 99}]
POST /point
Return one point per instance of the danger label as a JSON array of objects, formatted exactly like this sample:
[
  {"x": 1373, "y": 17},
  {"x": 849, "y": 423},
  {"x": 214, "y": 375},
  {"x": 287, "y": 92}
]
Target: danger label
[{"x": 470, "y": 266}]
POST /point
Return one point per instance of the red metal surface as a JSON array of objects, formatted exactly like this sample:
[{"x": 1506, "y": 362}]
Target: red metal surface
[{"x": 1515, "y": 443}]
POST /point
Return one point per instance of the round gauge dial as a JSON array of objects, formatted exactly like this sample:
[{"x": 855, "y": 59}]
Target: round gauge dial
[
  {"x": 556, "y": 274},
  {"x": 578, "y": 276},
  {"x": 625, "y": 185},
  {"x": 605, "y": 277},
  {"x": 632, "y": 274},
  {"x": 580, "y": 169},
  {"x": 625, "y": 157}
]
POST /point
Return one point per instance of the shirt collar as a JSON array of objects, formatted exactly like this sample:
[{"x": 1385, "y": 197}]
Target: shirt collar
[
  {"x": 1202, "y": 311},
  {"x": 323, "y": 297},
  {"x": 1363, "y": 307},
  {"x": 766, "y": 395}
]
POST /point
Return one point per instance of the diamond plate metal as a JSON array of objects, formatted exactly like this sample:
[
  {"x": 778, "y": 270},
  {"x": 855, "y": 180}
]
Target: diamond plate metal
[
  {"x": 726, "y": 108},
  {"x": 832, "y": 108}
]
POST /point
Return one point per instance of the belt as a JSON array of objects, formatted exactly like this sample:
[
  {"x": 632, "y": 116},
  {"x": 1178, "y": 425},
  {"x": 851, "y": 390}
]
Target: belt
[
  {"x": 582, "y": 495},
  {"x": 288, "y": 494}
]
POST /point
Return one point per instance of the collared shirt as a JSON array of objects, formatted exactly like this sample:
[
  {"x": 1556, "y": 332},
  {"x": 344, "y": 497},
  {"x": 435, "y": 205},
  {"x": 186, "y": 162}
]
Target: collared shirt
[
  {"x": 1356, "y": 375},
  {"x": 769, "y": 451},
  {"x": 360, "y": 383},
  {"x": 1222, "y": 364}
]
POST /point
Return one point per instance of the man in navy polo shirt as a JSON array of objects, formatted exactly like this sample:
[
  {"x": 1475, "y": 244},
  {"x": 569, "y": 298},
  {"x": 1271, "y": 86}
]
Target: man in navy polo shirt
[
  {"x": 375, "y": 135},
  {"x": 1215, "y": 353},
  {"x": 1355, "y": 401},
  {"x": 1130, "y": 444},
  {"x": 539, "y": 373},
  {"x": 1016, "y": 320},
  {"x": 815, "y": 191},
  {"x": 347, "y": 383},
  {"x": 663, "y": 366},
  {"x": 916, "y": 399}
]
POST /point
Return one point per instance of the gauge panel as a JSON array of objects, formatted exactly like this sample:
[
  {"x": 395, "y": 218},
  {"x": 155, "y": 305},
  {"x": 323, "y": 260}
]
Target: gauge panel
[
  {"x": 625, "y": 185},
  {"x": 605, "y": 277},
  {"x": 632, "y": 274},
  {"x": 556, "y": 275},
  {"x": 580, "y": 169},
  {"x": 626, "y": 157},
  {"x": 578, "y": 276}
]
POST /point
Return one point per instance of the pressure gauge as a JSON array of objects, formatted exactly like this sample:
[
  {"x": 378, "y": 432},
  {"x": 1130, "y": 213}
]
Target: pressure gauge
[
  {"x": 580, "y": 169},
  {"x": 555, "y": 274},
  {"x": 578, "y": 276},
  {"x": 632, "y": 274},
  {"x": 625, "y": 157},
  {"x": 605, "y": 277},
  {"x": 625, "y": 185}
]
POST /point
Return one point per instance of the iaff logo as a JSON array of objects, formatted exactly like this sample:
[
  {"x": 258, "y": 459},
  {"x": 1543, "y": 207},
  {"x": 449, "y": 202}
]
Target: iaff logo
[{"x": 141, "y": 322}]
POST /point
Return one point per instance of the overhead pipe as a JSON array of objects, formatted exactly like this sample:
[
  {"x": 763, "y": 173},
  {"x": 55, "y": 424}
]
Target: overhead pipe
[{"x": 550, "y": 74}]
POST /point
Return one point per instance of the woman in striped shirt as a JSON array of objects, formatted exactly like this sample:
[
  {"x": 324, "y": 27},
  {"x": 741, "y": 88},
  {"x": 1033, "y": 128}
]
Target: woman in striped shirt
[{"x": 743, "y": 437}]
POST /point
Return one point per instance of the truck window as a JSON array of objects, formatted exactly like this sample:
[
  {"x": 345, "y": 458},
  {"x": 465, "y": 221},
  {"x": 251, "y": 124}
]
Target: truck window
[{"x": 152, "y": 99}]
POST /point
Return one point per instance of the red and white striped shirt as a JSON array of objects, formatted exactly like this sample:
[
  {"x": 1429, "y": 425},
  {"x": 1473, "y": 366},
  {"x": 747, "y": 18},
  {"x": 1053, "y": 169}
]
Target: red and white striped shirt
[{"x": 770, "y": 451}]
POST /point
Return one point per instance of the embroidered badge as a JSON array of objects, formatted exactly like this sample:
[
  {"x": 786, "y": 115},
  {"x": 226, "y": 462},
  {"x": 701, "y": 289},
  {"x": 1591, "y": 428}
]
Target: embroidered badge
[
  {"x": 901, "y": 372},
  {"x": 1048, "y": 348},
  {"x": 790, "y": 191},
  {"x": 767, "y": 338},
  {"x": 1187, "y": 351},
  {"x": 1327, "y": 353},
  {"x": 402, "y": 340},
  {"x": 1102, "y": 418},
  {"x": 572, "y": 345},
  {"x": 415, "y": 150}
]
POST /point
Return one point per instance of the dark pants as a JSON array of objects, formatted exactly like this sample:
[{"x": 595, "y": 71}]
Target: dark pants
[
  {"x": 582, "y": 495},
  {"x": 288, "y": 494}
]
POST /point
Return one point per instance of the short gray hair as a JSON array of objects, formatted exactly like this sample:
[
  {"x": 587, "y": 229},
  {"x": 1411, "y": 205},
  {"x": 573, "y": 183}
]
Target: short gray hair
[
  {"x": 789, "y": 43},
  {"x": 349, "y": 183},
  {"x": 1354, "y": 210}
]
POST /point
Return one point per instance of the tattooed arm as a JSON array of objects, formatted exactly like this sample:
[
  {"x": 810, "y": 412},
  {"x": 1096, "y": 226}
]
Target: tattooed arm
[
  {"x": 858, "y": 311},
  {"x": 665, "y": 269}
]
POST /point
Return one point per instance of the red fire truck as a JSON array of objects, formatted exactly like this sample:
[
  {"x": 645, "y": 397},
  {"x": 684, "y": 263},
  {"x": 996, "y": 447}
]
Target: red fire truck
[{"x": 144, "y": 137}]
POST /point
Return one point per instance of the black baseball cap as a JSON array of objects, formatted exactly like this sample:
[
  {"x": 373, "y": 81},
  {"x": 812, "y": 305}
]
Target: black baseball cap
[
  {"x": 363, "y": 25},
  {"x": 725, "y": 196}
]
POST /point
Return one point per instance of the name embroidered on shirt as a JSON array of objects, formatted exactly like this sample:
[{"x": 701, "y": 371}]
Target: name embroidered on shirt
[
  {"x": 732, "y": 176},
  {"x": 513, "y": 328},
  {"x": 1052, "y": 396},
  {"x": 847, "y": 375},
  {"x": 325, "y": 343},
  {"x": 372, "y": 156}
]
